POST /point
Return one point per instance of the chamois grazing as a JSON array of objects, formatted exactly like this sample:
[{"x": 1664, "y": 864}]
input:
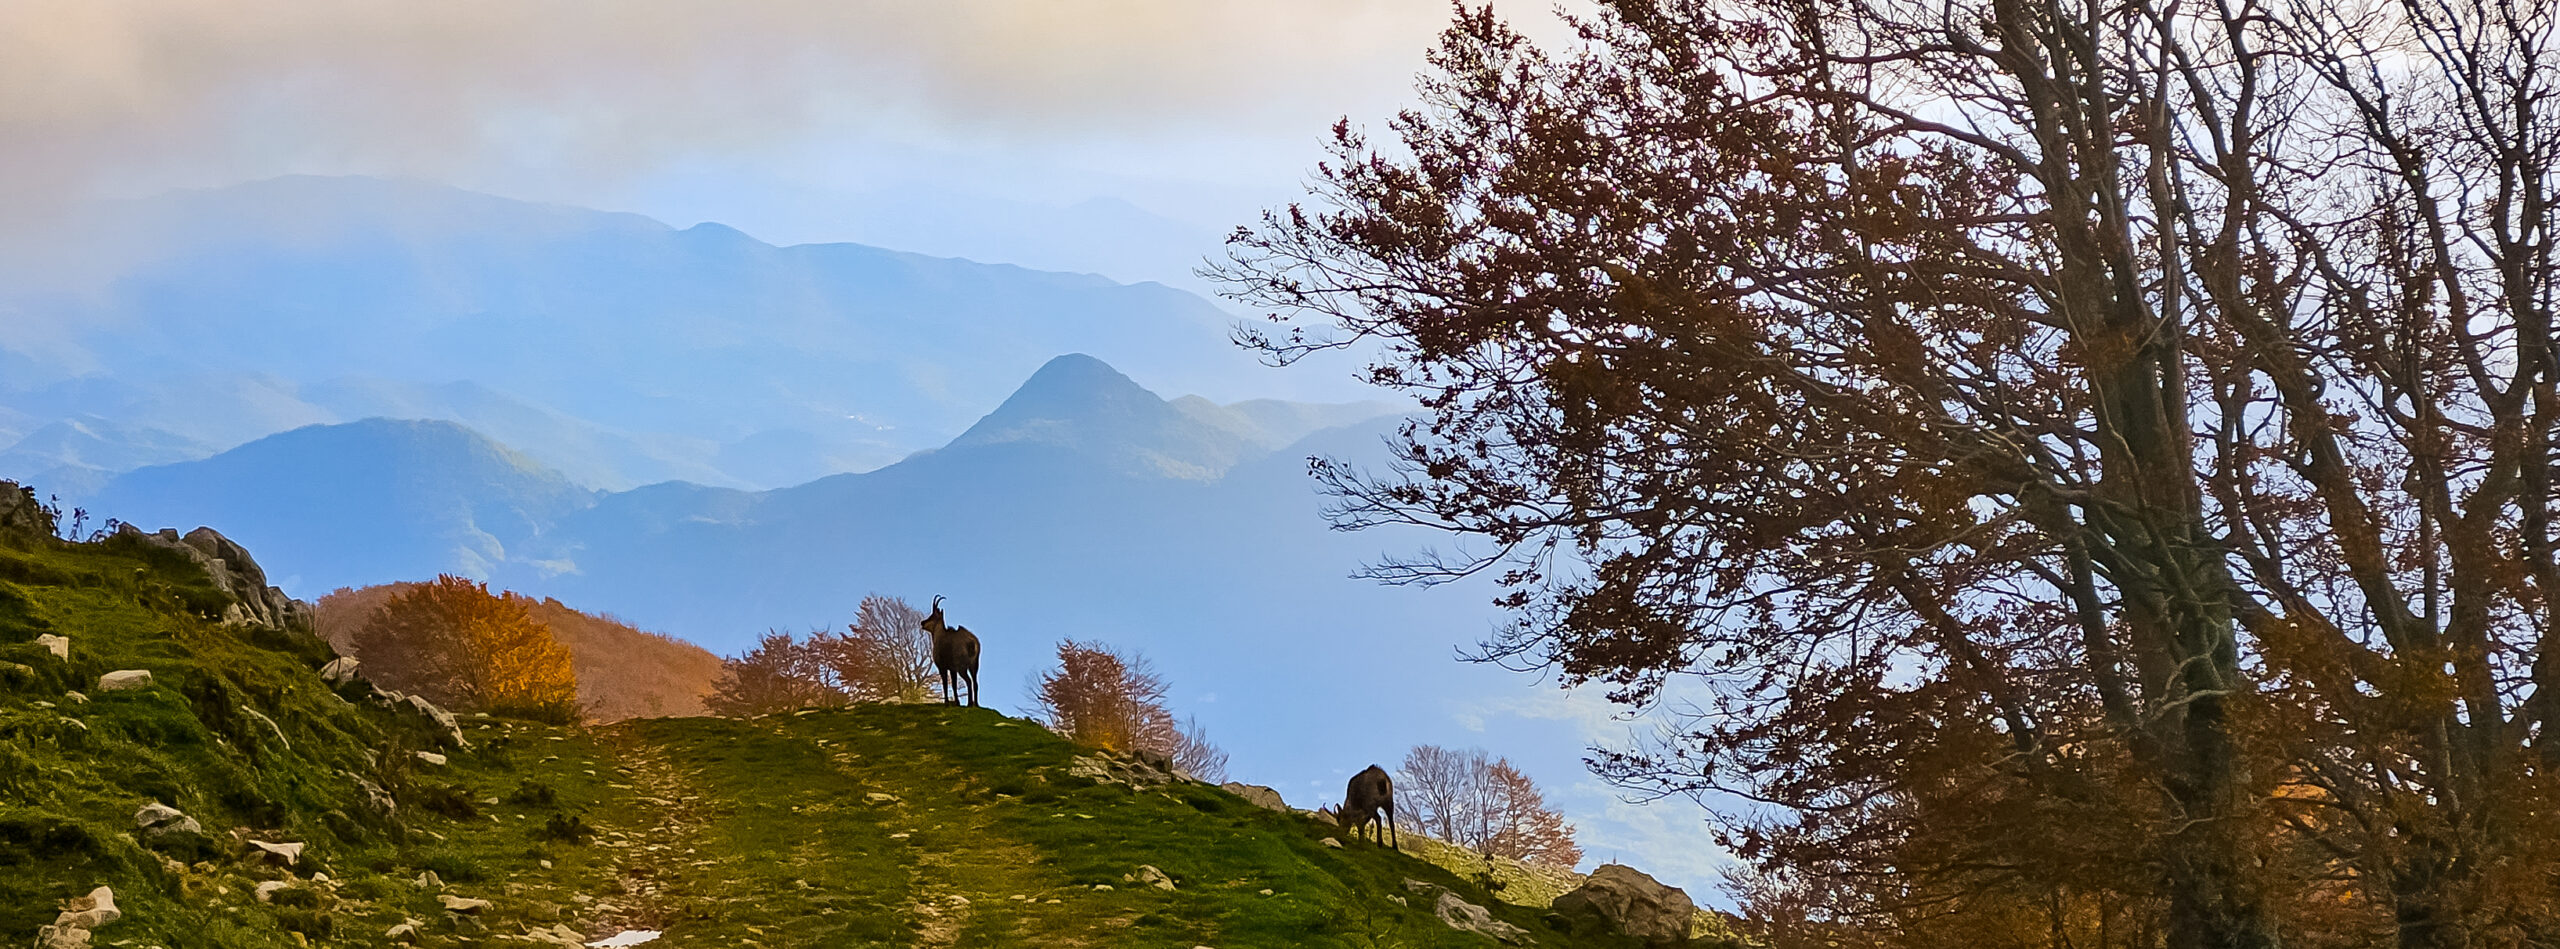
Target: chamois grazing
[
  {"x": 1369, "y": 792},
  {"x": 955, "y": 655}
]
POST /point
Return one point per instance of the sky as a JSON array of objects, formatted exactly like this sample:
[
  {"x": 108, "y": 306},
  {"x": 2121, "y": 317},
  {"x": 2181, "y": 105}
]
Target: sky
[
  {"x": 961, "y": 127},
  {"x": 1121, "y": 137}
]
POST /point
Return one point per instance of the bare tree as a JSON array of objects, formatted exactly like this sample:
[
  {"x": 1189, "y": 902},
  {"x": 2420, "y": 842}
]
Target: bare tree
[
  {"x": 1483, "y": 803},
  {"x": 884, "y": 655},
  {"x": 1196, "y": 756}
]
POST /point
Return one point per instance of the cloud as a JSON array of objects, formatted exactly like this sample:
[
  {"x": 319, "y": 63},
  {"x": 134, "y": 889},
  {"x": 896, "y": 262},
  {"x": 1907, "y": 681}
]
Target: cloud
[{"x": 141, "y": 93}]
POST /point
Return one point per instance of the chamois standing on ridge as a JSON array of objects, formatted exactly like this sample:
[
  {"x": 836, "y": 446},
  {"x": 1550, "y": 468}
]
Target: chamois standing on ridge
[
  {"x": 955, "y": 655},
  {"x": 1370, "y": 791}
]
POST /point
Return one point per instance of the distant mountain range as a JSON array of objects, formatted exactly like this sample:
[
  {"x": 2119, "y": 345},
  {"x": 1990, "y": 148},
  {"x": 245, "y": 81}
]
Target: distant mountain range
[
  {"x": 611, "y": 347},
  {"x": 1084, "y": 506}
]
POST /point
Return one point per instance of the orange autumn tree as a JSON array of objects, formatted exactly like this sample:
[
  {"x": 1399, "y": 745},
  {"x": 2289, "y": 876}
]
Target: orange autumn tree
[{"x": 463, "y": 647}]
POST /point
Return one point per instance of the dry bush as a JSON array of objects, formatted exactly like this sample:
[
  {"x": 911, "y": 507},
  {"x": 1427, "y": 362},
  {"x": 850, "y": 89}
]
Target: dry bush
[
  {"x": 463, "y": 647},
  {"x": 778, "y": 675},
  {"x": 1101, "y": 697}
]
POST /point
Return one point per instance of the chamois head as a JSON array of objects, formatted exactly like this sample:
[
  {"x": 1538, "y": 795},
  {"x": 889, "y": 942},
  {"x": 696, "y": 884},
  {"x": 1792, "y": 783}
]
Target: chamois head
[{"x": 933, "y": 623}]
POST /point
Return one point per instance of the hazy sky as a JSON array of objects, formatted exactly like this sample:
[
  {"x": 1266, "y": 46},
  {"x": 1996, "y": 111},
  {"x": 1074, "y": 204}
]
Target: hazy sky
[
  {"x": 795, "y": 120},
  {"x": 1119, "y": 136}
]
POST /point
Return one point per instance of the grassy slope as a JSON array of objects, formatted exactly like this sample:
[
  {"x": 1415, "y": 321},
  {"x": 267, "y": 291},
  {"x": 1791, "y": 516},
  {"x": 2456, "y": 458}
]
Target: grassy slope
[{"x": 720, "y": 832}]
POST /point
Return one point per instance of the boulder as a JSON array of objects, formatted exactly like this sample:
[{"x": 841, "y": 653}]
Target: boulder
[
  {"x": 1619, "y": 898},
  {"x": 59, "y": 646},
  {"x": 462, "y": 904},
  {"x": 91, "y": 911},
  {"x": 267, "y": 890},
  {"x": 339, "y": 670},
  {"x": 156, "y": 818},
  {"x": 1257, "y": 795},
  {"x": 123, "y": 679},
  {"x": 1147, "y": 875},
  {"x": 284, "y": 853},
  {"x": 432, "y": 758}
]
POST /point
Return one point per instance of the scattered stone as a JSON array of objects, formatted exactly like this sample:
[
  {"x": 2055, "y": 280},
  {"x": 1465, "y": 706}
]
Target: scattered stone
[
  {"x": 1148, "y": 876},
  {"x": 1468, "y": 917},
  {"x": 432, "y": 758},
  {"x": 59, "y": 646},
  {"x": 628, "y": 937},
  {"x": 284, "y": 853},
  {"x": 267, "y": 890},
  {"x": 1464, "y": 916},
  {"x": 405, "y": 932},
  {"x": 1257, "y": 795},
  {"x": 70, "y": 929},
  {"x": 1265, "y": 891},
  {"x": 75, "y": 698},
  {"x": 1330, "y": 842},
  {"x": 462, "y": 904},
  {"x": 1102, "y": 887},
  {"x": 339, "y": 670},
  {"x": 557, "y": 935},
  {"x": 73, "y": 722},
  {"x": 1620, "y": 898},
  {"x": 123, "y": 679},
  {"x": 877, "y": 797},
  {"x": 156, "y": 818}
]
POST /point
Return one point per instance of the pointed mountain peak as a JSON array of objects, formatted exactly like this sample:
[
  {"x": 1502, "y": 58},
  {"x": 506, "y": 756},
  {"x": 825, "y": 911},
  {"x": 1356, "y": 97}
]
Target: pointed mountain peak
[{"x": 1081, "y": 404}]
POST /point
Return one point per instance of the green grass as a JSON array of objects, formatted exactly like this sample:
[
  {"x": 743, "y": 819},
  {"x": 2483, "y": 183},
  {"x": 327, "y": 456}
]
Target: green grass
[{"x": 719, "y": 832}]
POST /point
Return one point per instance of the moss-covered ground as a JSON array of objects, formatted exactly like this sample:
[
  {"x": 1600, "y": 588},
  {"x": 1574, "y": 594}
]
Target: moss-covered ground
[{"x": 869, "y": 826}]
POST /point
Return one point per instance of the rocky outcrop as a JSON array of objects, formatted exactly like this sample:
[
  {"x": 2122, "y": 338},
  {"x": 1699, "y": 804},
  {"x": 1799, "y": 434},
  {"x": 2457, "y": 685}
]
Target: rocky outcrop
[
  {"x": 1257, "y": 795},
  {"x": 22, "y": 517},
  {"x": 1622, "y": 899},
  {"x": 1134, "y": 773},
  {"x": 235, "y": 573}
]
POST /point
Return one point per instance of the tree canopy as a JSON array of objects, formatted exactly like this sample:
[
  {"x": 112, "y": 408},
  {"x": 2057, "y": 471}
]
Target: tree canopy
[
  {"x": 463, "y": 647},
  {"x": 2086, "y": 467}
]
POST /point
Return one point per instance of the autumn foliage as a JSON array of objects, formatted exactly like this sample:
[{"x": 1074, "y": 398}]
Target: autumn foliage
[
  {"x": 1481, "y": 803},
  {"x": 463, "y": 647},
  {"x": 1099, "y": 696},
  {"x": 2082, "y": 474},
  {"x": 622, "y": 671}
]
